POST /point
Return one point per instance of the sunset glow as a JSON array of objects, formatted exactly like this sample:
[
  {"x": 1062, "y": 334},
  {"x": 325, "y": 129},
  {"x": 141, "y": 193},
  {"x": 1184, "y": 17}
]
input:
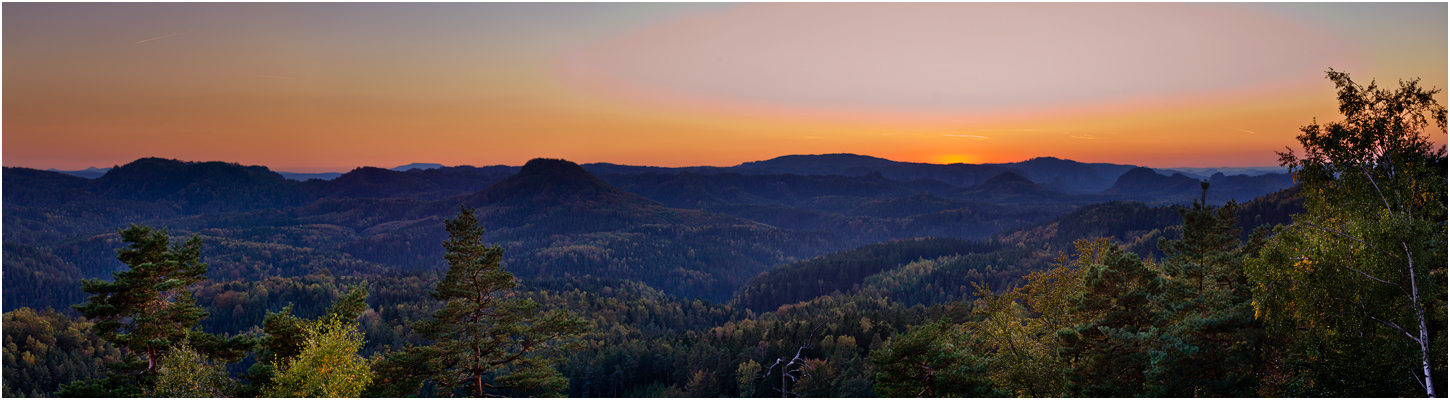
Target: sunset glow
[{"x": 333, "y": 86}]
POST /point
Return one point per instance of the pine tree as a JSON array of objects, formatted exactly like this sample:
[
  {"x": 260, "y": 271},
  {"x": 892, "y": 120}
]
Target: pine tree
[
  {"x": 1210, "y": 339},
  {"x": 1108, "y": 348},
  {"x": 286, "y": 336},
  {"x": 148, "y": 309},
  {"x": 939, "y": 359},
  {"x": 485, "y": 339}
]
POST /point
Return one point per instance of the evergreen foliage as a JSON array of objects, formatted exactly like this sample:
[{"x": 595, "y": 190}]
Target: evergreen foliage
[
  {"x": 1211, "y": 341},
  {"x": 1108, "y": 345},
  {"x": 149, "y": 309},
  {"x": 484, "y": 339},
  {"x": 933, "y": 360}
]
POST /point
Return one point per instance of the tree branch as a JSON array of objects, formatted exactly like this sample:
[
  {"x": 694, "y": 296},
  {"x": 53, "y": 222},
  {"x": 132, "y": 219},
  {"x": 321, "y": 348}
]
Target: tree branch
[
  {"x": 1366, "y": 275},
  {"x": 1376, "y": 186},
  {"x": 1367, "y": 313},
  {"x": 1346, "y": 236}
]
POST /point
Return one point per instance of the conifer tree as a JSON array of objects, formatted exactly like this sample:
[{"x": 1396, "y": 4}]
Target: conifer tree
[
  {"x": 1108, "y": 347},
  {"x": 486, "y": 341},
  {"x": 148, "y": 309},
  {"x": 1210, "y": 338},
  {"x": 286, "y": 336},
  {"x": 938, "y": 359}
]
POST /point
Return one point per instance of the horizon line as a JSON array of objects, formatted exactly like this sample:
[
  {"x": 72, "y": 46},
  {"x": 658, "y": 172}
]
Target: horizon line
[{"x": 343, "y": 170}]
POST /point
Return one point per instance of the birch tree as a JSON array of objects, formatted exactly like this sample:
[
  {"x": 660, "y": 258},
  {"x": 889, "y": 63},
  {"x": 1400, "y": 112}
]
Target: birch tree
[{"x": 1366, "y": 261}]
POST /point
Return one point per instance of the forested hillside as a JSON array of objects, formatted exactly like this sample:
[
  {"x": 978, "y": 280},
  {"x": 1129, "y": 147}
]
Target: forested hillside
[
  {"x": 818, "y": 276},
  {"x": 650, "y": 279}
]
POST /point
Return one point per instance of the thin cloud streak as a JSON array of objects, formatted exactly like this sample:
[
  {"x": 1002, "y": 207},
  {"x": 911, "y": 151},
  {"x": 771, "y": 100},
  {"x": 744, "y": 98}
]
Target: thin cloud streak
[{"x": 162, "y": 37}]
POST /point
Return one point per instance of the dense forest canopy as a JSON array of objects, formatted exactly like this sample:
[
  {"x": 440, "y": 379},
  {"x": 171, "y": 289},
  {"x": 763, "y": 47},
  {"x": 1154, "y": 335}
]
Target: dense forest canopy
[{"x": 816, "y": 276}]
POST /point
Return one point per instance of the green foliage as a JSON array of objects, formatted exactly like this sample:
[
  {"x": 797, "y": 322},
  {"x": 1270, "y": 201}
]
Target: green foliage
[
  {"x": 746, "y": 376},
  {"x": 939, "y": 359},
  {"x": 1210, "y": 343},
  {"x": 186, "y": 373},
  {"x": 286, "y": 336},
  {"x": 485, "y": 339},
  {"x": 45, "y": 349},
  {"x": 37, "y": 278},
  {"x": 629, "y": 360},
  {"x": 328, "y": 365},
  {"x": 1364, "y": 267},
  {"x": 842, "y": 270},
  {"x": 149, "y": 310},
  {"x": 1022, "y": 352}
]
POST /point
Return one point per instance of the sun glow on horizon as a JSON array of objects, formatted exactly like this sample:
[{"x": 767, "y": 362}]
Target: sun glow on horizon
[
  {"x": 319, "y": 87},
  {"x": 957, "y": 159}
]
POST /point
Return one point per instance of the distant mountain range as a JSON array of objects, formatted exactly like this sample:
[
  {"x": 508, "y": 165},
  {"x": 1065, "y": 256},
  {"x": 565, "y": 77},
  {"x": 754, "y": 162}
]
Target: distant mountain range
[
  {"x": 88, "y": 173},
  {"x": 697, "y": 232},
  {"x": 1059, "y": 174}
]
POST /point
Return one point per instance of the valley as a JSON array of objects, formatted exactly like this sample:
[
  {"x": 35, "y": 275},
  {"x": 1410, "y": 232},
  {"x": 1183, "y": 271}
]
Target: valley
[{"x": 711, "y": 254}]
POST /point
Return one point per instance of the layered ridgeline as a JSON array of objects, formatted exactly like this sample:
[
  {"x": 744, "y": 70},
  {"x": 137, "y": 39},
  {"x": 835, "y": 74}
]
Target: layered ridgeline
[
  {"x": 554, "y": 218},
  {"x": 1047, "y": 278},
  {"x": 933, "y": 270},
  {"x": 632, "y": 251},
  {"x": 697, "y": 232}
]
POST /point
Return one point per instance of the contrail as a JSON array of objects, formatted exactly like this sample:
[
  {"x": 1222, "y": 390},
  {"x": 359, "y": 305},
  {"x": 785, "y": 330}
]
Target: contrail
[
  {"x": 1241, "y": 130},
  {"x": 162, "y": 37}
]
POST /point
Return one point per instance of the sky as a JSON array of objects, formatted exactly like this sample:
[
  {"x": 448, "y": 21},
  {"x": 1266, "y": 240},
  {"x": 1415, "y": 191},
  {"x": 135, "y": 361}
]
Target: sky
[{"x": 328, "y": 87}]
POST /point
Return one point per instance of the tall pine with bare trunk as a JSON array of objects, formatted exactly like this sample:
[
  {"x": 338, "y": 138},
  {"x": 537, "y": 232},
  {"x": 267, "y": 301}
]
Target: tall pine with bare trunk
[{"x": 487, "y": 342}]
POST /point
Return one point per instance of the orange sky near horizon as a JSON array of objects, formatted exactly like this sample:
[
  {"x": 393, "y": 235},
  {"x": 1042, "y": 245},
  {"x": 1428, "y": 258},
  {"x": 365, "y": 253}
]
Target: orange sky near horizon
[{"x": 330, "y": 87}]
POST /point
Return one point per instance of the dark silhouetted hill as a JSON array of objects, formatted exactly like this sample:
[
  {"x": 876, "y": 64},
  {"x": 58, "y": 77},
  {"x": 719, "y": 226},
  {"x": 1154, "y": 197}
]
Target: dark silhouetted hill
[
  {"x": 921, "y": 203},
  {"x": 1010, "y": 187},
  {"x": 857, "y": 165},
  {"x": 88, "y": 173},
  {"x": 424, "y": 184},
  {"x": 197, "y": 187},
  {"x": 1070, "y": 176},
  {"x": 378, "y": 182},
  {"x": 418, "y": 166},
  {"x": 303, "y": 176},
  {"x": 1142, "y": 183},
  {"x": 817, "y": 192},
  {"x": 33, "y": 187},
  {"x": 823, "y": 164},
  {"x": 544, "y": 182},
  {"x": 1246, "y": 187}
]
